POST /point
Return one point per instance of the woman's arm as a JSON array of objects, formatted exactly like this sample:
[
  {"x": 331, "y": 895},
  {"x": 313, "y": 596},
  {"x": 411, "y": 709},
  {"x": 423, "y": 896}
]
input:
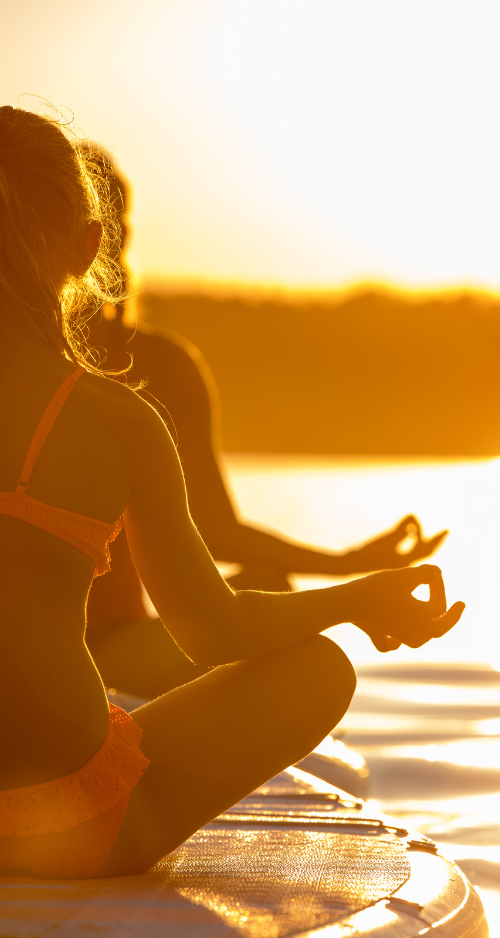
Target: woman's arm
[
  {"x": 214, "y": 624},
  {"x": 179, "y": 378},
  {"x": 245, "y": 543}
]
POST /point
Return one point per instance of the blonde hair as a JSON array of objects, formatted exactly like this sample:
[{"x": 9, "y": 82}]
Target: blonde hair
[{"x": 51, "y": 188}]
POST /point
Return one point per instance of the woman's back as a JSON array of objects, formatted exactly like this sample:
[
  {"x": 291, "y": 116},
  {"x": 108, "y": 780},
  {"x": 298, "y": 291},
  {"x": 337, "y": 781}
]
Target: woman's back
[{"x": 82, "y": 468}]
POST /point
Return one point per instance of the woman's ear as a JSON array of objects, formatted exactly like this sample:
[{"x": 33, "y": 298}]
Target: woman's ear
[{"x": 89, "y": 249}]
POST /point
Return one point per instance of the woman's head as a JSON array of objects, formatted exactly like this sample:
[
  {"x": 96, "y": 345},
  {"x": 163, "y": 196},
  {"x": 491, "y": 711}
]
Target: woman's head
[{"x": 54, "y": 207}]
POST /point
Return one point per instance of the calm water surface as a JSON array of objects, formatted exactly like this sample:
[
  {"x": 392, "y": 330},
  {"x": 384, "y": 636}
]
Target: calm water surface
[{"x": 426, "y": 720}]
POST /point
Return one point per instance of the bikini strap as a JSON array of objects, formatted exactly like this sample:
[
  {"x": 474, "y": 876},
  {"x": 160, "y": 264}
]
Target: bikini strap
[{"x": 43, "y": 429}]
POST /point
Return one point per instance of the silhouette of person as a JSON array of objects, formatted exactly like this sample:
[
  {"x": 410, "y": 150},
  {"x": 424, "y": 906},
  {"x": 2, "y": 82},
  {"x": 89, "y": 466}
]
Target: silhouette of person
[
  {"x": 133, "y": 652},
  {"x": 86, "y": 789}
]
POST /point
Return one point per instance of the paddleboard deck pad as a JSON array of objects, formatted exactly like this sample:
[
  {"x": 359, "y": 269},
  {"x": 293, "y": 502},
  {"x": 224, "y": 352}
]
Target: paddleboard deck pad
[{"x": 296, "y": 857}]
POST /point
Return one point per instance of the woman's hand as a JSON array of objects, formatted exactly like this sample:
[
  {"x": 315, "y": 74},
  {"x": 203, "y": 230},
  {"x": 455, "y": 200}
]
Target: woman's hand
[
  {"x": 384, "y": 608},
  {"x": 383, "y": 553}
]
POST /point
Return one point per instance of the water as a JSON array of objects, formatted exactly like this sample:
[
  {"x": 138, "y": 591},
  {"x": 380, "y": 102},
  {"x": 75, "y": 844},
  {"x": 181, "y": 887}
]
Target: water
[
  {"x": 426, "y": 720},
  {"x": 338, "y": 502}
]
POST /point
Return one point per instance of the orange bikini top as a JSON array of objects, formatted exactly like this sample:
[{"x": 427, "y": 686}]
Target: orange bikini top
[{"x": 88, "y": 535}]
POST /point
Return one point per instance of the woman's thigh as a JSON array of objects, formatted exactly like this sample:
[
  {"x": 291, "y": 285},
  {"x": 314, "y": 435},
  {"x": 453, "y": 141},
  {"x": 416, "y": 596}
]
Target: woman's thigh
[
  {"x": 214, "y": 740},
  {"x": 139, "y": 656}
]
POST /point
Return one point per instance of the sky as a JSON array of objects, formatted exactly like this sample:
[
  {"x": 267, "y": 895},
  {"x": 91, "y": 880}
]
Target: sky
[{"x": 297, "y": 144}]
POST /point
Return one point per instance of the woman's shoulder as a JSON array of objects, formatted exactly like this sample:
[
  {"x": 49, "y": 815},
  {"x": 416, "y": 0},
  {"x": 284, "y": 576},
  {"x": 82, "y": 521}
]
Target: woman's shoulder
[
  {"x": 113, "y": 390},
  {"x": 119, "y": 404},
  {"x": 133, "y": 427}
]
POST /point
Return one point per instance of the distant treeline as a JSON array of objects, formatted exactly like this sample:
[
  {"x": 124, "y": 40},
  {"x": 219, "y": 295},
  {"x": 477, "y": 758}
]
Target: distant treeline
[{"x": 376, "y": 372}]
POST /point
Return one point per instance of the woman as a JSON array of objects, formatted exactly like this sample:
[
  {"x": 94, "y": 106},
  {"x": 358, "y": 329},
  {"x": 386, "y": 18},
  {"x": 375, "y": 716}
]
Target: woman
[
  {"x": 134, "y": 652},
  {"x": 84, "y": 791}
]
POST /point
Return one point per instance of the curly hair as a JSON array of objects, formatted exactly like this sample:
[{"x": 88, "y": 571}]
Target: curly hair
[{"x": 51, "y": 187}]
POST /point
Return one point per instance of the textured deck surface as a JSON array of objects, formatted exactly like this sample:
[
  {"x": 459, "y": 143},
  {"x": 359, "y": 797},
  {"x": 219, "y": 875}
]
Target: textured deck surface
[{"x": 258, "y": 872}]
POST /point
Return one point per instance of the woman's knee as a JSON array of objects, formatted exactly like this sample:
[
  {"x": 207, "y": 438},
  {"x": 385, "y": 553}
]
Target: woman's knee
[
  {"x": 328, "y": 671},
  {"x": 317, "y": 666},
  {"x": 308, "y": 688}
]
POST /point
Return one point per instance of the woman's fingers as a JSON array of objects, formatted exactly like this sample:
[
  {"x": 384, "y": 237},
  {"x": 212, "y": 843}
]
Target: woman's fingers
[
  {"x": 408, "y": 527},
  {"x": 385, "y": 643},
  {"x": 416, "y": 639},
  {"x": 424, "y": 548},
  {"x": 435, "y": 608},
  {"x": 444, "y": 623},
  {"x": 436, "y": 627},
  {"x": 396, "y": 617},
  {"x": 426, "y": 573},
  {"x": 437, "y": 597},
  {"x": 391, "y": 644},
  {"x": 435, "y": 541},
  {"x": 409, "y": 522}
]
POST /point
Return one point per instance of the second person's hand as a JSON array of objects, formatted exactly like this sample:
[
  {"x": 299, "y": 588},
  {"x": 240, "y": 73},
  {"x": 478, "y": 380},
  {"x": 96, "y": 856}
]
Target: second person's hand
[{"x": 384, "y": 553}]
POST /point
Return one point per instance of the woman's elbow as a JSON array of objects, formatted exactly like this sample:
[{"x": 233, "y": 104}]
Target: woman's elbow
[
  {"x": 210, "y": 640},
  {"x": 208, "y": 653}
]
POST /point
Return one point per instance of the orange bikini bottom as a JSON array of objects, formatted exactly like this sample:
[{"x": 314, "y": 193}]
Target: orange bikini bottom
[{"x": 65, "y": 829}]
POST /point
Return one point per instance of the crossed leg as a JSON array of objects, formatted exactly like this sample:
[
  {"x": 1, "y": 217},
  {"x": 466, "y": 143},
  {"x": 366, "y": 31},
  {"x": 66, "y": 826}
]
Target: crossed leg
[
  {"x": 138, "y": 656},
  {"x": 214, "y": 740}
]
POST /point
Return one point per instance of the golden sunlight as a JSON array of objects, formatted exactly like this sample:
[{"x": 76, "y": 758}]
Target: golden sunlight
[{"x": 310, "y": 144}]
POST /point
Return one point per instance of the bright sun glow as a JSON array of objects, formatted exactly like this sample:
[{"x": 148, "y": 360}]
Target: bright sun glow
[
  {"x": 311, "y": 143},
  {"x": 340, "y": 502}
]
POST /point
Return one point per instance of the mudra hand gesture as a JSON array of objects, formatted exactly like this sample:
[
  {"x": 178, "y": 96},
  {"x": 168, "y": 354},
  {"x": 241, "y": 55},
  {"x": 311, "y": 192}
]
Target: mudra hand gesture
[
  {"x": 384, "y": 553},
  {"x": 383, "y": 607}
]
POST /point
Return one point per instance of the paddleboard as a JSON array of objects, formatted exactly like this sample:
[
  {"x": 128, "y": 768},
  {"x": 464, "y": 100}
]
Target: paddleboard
[{"x": 297, "y": 857}]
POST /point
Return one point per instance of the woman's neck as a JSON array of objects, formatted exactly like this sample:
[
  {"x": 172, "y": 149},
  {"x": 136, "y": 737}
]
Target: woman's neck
[{"x": 17, "y": 332}]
